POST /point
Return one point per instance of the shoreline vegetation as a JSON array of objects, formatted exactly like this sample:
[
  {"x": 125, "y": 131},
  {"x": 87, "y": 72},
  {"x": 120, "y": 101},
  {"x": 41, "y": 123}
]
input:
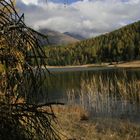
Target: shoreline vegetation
[
  {"x": 76, "y": 124},
  {"x": 129, "y": 64},
  {"x": 112, "y": 65}
]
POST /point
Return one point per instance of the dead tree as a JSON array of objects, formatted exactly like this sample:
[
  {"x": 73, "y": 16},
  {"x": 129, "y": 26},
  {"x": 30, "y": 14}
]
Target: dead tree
[{"x": 22, "y": 61}]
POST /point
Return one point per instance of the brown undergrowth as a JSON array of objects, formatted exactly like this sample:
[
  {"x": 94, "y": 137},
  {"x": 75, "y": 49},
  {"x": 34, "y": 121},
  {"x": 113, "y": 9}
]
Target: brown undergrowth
[{"x": 76, "y": 124}]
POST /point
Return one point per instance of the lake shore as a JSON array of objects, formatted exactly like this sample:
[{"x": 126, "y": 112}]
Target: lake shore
[
  {"x": 77, "y": 124},
  {"x": 131, "y": 64}
]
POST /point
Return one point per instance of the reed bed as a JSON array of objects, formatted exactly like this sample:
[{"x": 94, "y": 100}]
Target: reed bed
[{"x": 110, "y": 97}]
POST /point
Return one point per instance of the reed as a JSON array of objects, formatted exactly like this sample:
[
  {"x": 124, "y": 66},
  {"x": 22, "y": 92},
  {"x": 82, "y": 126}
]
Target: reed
[{"x": 108, "y": 96}]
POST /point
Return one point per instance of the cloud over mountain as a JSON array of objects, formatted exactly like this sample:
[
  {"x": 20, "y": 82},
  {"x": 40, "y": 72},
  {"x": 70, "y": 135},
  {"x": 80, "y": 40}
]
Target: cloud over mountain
[{"x": 86, "y": 17}]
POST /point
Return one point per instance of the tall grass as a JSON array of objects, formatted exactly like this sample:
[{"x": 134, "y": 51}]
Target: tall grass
[{"x": 108, "y": 96}]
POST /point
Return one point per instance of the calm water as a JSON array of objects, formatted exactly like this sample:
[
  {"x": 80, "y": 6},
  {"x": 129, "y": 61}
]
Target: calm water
[
  {"x": 61, "y": 81},
  {"x": 79, "y": 87}
]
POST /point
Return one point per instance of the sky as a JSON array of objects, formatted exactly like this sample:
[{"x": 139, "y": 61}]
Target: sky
[{"x": 88, "y": 18}]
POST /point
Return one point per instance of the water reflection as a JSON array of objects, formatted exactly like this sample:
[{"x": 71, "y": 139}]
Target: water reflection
[
  {"x": 60, "y": 82},
  {"x": 109, "y": 92}
]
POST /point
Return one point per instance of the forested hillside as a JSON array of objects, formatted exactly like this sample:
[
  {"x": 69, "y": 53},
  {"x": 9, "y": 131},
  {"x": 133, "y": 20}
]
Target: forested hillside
[{"x": 120, "y": 45}]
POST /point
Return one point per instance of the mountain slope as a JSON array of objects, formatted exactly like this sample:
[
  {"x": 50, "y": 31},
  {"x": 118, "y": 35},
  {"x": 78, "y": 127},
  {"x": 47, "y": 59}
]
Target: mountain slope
[
  {"x": 120, "y": 45},
  {"x": 57, "y": 38},
  {"x": 74, "y": 35}
]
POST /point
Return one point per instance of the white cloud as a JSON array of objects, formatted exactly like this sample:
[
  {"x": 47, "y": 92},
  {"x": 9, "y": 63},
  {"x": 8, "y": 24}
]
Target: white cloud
[
  {"x": 87, "y": 17},
  {"x": 30, "y": 1}
]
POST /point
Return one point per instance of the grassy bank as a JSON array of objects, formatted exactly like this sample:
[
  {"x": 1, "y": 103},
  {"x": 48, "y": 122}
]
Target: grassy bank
[
  {"x": 111, "y": 112},
  {"x": 130, "y": 64},
  {"x": 75, "y": 124}
]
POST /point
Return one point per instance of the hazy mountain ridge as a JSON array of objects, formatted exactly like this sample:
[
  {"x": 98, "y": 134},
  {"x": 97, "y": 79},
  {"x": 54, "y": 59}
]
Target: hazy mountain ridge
[
  {"x": 74, "y": 35},
  {"x": 57, "y": 38}
]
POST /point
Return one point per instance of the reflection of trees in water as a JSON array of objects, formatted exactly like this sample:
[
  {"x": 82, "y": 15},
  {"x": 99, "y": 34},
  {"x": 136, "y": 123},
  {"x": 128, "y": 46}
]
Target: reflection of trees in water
[
  {"x": 73, "y": 80},
  {"x": 69, "y": 80}
]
